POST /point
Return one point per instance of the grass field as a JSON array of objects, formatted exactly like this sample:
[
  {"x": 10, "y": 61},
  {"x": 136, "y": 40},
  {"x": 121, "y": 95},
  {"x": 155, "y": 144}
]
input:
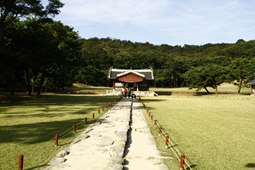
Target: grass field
[
  {"x": 224, "y": 88},
  {"x": 28, "y": 126},
  {"x": 214, "y": 131}
]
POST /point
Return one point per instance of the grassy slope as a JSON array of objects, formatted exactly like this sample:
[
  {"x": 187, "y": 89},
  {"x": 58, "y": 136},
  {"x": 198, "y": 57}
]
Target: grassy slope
[
  {"x": 27, "y": 126},
  {"x": 216, "y": 132}
]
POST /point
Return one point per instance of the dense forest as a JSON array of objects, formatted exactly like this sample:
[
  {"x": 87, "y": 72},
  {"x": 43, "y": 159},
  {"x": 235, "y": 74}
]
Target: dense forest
[
  {"x": 174, "y": 66},
  {"x": 39, "y": 54}
]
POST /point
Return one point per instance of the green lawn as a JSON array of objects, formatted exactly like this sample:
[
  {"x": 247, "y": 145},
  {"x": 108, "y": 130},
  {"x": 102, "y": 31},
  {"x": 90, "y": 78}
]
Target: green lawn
[
  {"x": 214, "y": 131},
  {"x": 28, "y": 126},
  {"x": 224, "y": 88}
]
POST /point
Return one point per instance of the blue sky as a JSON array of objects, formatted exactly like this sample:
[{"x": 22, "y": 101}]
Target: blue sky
[{"x": 173, "y": 22}]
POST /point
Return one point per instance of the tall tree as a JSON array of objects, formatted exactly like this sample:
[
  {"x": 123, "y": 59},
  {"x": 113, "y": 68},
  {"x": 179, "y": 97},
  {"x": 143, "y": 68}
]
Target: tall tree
[
  {"x": 241, "y": 69},
  {"x": 205, "y": 76},
  {"x": 13, "y": 9}
]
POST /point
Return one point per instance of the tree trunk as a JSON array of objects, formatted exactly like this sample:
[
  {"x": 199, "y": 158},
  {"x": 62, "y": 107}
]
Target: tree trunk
[
  {"x": 216, "y": 89},
  {"x": 240, "y": 86},
  {"x": 206, "y": 90},
  {"x": 40, "y": 85},
  {"x": 12, "y": 92},
  {"x": 12, "y": 86},
  {"x": 29, "y": 86}
]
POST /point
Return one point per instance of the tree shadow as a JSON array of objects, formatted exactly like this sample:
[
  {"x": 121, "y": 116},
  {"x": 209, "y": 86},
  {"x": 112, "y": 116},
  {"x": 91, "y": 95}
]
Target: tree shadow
[
  {"x": 250, "y": 165},
  {"x": 34, "y": 132},
  {"x": 60, "y": 99},
  {"x": 153, "y": 100},
  {"x": 36, "y": 167}
]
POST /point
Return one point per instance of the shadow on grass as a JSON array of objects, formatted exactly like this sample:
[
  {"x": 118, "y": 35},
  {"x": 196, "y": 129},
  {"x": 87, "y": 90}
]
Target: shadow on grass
[
  {"x": 34, "y": 133},
  {"x": 152, "y": 100},
  {"x": 250, "y": 165},
  {"x": 36, "y": 167},
  {"x": 59, "y": 100},
  {"x": 40, "y": 109}
]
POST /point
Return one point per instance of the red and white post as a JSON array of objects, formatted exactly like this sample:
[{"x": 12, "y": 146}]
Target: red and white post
[
  {"x": 160, "y": 131},
  {"x": 182, "y": 162},
  {"x": 20, "y": 162},
  {"x": 56, "y": 139},
  {"x": 166, "y": 140}
]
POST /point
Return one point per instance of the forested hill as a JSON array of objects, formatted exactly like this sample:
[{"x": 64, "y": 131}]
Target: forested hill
[
  {"x": 231, "y": 61},
  {"x": 39, "y": 54}
]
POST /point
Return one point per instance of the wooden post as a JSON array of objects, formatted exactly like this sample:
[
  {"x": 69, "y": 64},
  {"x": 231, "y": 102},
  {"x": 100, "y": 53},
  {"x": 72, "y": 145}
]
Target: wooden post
[
  {"x": 166, "y": 140},
  {"x": 98, "y": 111},
  {"x": 160, "y": 131},
  {"x": 74, "y": 128},
  {"x": 86, "y": 120},
  {"x": 155, "y": 122},
  {"x": 93, "y": 115},
  {"x": 103, "y": 108},
  {"x": 182, "y": 162},
  {"x": 56, "y": 139},
  {"x": 151, "y": 116},
  {"x": 20, "y": 162}
]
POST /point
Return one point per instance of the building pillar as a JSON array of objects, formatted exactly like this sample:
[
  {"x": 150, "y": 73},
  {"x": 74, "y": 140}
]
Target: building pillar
[
  {"x": 253, "y": 89},
  {"x": 137, "y": 89},
  {"x": 113, "y": 85}
]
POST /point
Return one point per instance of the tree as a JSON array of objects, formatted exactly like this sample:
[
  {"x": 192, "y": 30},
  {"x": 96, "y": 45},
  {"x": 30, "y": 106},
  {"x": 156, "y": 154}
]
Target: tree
[
  {"x": 13, "y": 38},
  {"x": 54, "y": 52},
  {"x": 13, "y": 9},
  {"x": 40, "y": 49},
  {"x": 205, "y": 76},
  {"x": 240, "y": 70}
]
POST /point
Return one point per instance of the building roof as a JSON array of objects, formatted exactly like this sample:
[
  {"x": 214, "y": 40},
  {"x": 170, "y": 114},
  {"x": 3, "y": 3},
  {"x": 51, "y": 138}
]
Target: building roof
[
  {"x": 115, "y": 73},
  {"x": 130, "y": 72},
  {"x": 252, "y": 82}
]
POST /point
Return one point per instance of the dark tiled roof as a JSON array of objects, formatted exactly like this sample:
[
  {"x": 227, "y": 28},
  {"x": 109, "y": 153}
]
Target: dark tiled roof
[{"x": 148, "y": 73}]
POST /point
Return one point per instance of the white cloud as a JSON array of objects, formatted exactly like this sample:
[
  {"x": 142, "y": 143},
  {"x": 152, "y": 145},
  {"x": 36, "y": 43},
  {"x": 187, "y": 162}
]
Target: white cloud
[
  {"x": 111, "y": 11},
  {"x": 162, "y": 21}
]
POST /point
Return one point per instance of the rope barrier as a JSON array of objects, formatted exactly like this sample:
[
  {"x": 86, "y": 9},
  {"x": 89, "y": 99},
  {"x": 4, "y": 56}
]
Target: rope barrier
[
  {"x": 72, "y": 129},
  {"x": 185, "y": 163}
]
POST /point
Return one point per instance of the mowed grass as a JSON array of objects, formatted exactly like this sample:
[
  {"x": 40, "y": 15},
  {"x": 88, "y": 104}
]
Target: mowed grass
[
  {"x": 214, "y": 131},
  {"x": 29, "y": 126},
  {"x": 225, "y": 88}
]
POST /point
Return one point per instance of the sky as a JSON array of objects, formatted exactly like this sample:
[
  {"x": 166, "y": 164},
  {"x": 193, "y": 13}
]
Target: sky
[{"x": 173, "y": 22}]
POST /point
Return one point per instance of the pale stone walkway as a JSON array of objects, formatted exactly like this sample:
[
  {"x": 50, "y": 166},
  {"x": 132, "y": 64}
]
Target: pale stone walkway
[
  {"x": 142, "y": 152},
  {"x": 102, "y": 145}
]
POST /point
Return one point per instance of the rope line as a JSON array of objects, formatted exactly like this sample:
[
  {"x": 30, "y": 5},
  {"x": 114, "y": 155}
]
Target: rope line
[
  {"x": 81, "y": 124},
  {"x": 171, "y": 144}
]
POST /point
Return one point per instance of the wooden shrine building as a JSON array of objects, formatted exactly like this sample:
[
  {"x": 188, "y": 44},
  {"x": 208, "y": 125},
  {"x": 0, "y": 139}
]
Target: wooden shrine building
[
  {"x": 252, "y": 84},
  {"x": 134, "y": 80}
]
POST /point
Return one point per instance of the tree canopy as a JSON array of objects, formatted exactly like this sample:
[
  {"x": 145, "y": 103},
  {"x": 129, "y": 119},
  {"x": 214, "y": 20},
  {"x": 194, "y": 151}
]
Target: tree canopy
[{"x": 38, "y": 53}]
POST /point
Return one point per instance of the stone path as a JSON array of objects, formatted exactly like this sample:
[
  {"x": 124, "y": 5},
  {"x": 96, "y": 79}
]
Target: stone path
[
  {"x": 102, "y": 145},
  {"x": 142, "y": 152}
]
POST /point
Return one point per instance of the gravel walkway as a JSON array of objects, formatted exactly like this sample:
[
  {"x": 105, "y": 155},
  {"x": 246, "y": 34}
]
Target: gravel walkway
[{"x": 103, "y": 144}]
